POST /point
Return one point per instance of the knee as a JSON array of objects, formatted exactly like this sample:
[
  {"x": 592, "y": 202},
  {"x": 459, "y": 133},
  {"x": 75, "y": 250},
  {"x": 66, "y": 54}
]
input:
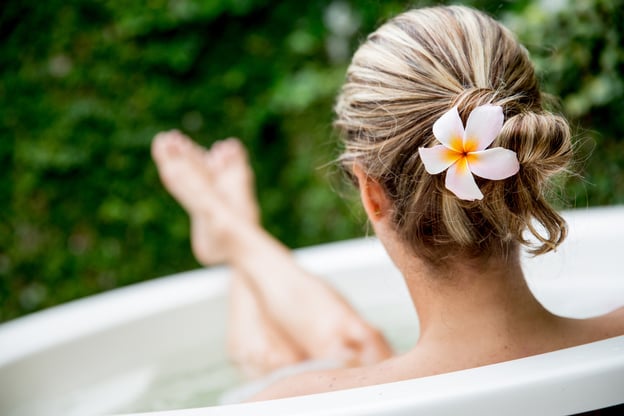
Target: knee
[{"x": 364, "y": 345}]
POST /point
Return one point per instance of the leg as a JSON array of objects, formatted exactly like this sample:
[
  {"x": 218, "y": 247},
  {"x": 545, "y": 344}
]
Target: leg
[
  {"x": 290, "y": 294},
  {"x": 315, "y": 316},
  {"x": 255, "y": 343}
]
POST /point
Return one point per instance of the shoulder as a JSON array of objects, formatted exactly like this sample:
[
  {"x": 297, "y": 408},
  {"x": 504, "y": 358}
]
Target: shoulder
[
  {"x": 607, "y": 326},
  {"x": 614, "y": 322},
  {"x": 332, "y": 380},
  {"x": 311, "y": 383}
]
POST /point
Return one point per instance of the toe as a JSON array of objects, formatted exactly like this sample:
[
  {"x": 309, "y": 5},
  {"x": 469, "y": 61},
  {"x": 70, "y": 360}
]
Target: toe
[
  {"x": 163, "y": 146},
  {"x": 234, "y": 148}
]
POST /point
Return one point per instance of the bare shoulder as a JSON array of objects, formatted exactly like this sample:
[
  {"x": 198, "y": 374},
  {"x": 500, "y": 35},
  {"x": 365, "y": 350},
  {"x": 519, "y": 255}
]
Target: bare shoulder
[
  {"x": 331, "y": 380},
  {"x": 306, "y": 383},
  {"x": 312, "y": 382},
  {"x": 615, "y": 321},
  {"x": 609, "y": 325}
]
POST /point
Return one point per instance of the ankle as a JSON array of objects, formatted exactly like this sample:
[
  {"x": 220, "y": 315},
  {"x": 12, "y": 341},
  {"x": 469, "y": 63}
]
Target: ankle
[{"x": 236, "y": 238}]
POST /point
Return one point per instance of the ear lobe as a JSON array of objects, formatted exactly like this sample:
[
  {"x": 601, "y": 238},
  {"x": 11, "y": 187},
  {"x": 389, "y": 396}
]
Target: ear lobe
[{"x": 373, "y": 196}]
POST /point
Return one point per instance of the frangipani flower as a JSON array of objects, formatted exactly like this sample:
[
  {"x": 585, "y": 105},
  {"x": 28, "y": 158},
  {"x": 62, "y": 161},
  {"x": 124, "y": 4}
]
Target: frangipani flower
[{"x": 464, "y": 153}]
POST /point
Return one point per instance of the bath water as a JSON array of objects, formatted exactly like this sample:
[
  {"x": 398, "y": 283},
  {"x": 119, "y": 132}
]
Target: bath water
[{"x": 198, "y": 378}]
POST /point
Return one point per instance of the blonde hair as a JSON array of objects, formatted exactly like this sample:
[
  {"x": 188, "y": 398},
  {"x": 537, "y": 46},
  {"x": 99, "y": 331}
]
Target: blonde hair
[{"x": 401, "y": 80}]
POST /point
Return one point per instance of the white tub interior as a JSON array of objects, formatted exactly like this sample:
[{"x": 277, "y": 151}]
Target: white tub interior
[{"x": 159, "y": 346}]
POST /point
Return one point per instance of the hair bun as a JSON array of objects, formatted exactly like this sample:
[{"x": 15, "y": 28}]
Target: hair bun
[{"x": 541, "y": 140}]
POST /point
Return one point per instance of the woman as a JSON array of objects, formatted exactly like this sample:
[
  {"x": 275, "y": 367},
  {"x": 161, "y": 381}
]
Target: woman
[{"x": 446, "y": 138}]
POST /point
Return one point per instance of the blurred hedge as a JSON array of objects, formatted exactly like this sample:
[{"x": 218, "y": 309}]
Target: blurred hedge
[
  {"x": 578, "y": 48},
  {"x": 84, "y": 85}
]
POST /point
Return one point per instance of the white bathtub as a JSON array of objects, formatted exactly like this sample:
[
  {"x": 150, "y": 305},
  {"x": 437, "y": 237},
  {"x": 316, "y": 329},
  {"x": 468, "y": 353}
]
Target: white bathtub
[{"x": 98, "y": 355}]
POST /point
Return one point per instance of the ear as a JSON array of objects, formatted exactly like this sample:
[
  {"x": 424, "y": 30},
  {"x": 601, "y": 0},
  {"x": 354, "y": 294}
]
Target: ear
[{"x": 374, "y": 198}]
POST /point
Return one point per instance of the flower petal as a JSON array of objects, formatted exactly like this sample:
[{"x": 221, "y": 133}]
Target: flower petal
[
  {"x": 449, "y": 130},
  {"x": 460, "y": 181},
  {"x": 496, "y": 163},
  {"x": 437, "y": 158},
  {"x": 483, "y": 125}
]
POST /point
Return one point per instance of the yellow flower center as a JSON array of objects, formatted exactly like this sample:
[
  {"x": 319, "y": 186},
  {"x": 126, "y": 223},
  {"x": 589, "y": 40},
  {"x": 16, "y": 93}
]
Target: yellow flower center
[{"x": 470, "y": 145}]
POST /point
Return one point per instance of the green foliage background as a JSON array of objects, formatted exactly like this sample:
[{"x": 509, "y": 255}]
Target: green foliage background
[{"x": 85, "y": 84}]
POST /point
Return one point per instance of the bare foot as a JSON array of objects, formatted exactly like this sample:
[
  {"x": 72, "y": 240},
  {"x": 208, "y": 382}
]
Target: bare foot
[
  {"x": 183, "y": 169},
  {"x": 233, "y": 178}
]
